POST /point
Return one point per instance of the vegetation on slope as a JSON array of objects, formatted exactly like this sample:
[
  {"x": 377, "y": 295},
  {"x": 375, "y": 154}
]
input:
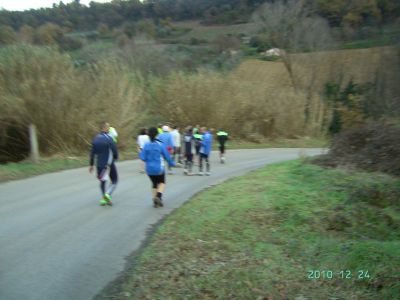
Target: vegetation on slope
[{"x": 287, "y": 231}]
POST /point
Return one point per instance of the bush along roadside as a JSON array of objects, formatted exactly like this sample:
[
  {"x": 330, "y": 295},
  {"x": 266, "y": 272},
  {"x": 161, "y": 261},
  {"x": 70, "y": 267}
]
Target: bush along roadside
[
  {"x": 287, "y": 231},
  {"x": 371, "y": 147}
]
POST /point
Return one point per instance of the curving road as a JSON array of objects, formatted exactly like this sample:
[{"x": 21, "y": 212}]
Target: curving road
[{"x": 57, "y": 243}]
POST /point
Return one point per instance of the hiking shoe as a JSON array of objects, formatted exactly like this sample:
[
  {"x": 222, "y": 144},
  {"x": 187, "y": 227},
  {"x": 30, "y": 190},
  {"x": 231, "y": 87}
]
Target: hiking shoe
[{"x": 157, "y": 202}]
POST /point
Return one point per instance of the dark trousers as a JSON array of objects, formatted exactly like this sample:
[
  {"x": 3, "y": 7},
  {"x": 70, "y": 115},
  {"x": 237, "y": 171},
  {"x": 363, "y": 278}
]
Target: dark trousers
[
  {"x": 205, "y": 157},
  {"x": 189, "y": 162}
]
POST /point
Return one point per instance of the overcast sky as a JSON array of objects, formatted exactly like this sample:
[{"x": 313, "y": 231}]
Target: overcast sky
[{"x": 28, "y": 4}]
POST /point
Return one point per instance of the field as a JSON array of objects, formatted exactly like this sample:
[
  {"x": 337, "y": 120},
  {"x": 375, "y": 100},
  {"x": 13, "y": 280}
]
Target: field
[{"x": 359, "y": 65}]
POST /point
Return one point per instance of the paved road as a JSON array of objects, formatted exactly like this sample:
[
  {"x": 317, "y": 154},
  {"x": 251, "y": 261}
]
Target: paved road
[{"x": 56, "y": 243}]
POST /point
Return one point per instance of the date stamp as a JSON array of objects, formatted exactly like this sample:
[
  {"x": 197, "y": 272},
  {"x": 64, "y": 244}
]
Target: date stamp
[{"x": 338, "y": 274}]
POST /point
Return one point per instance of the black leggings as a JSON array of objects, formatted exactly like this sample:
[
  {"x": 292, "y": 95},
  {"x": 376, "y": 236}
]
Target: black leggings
[
  {"x": 222, "y": 148},
  {"x": 157, "y": 179},
  {"x": 205, "y": 157}
]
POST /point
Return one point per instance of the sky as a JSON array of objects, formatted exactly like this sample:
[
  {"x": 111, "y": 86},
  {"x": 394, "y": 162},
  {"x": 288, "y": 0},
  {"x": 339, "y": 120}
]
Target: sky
[{"x": 28, "y": 4}]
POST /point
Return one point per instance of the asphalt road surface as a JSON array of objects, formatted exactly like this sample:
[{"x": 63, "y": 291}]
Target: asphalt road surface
[{"x": 57, "y": 243}]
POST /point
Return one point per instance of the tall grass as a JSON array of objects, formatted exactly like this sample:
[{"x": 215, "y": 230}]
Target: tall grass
[
  {"x": 248, "y": 109},
  {"x": 40, "y": 86}
]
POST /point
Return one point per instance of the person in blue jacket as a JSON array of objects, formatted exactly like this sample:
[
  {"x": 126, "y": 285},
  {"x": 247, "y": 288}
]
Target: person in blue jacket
[
  {"x": 205, "y": 150},
  {"x": 166, "y": 138},
  {"x": 153, "y": 154},
  {"x": 105, "y": 151}
]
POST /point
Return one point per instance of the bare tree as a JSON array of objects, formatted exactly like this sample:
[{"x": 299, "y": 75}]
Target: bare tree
[{"x": 292, "y": 26}]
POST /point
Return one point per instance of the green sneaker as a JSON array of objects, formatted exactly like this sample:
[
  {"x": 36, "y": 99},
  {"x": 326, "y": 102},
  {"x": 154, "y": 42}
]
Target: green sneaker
[
  {"x": 107, "y": 198},
  {"x": 103, "y": 202}
]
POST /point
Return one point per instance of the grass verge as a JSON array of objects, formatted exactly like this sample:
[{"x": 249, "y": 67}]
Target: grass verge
[
  {"x": 303, "y": 142},
  {"x": 26, "y": 168},
  {"x": 287, "y": 231}
]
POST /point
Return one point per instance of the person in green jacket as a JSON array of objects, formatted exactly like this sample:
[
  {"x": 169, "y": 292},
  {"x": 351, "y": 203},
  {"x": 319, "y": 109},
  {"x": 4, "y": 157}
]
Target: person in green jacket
[
  {"x": 222, "y": 137},
  {"x": 113, "y": 134},
  {"x": 198, "y": 137},
  {"x": 159, "y": 128}
]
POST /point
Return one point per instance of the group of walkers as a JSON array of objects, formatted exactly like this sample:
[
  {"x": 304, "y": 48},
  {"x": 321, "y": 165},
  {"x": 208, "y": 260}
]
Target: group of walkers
[{"x": 156, "y": 146}]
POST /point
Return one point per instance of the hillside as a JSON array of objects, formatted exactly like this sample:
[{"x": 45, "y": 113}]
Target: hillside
[
  {"x": 188, "y": 65},
  {"x": 318, "y": 68}
]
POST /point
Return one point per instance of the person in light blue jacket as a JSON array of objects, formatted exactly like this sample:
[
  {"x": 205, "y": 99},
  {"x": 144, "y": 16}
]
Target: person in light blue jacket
[
  {"x": 166, "y": 138},
  {"x": 205, "y": 150},
  {"x": 153, "y": 154}
]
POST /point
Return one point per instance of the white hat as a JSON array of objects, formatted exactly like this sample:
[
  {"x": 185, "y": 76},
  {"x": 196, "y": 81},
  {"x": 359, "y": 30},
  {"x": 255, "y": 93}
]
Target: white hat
[{"x": 165, "y": 128}]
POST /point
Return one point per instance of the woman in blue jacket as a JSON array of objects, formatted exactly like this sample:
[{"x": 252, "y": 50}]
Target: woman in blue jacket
[
  {"x": 205, "y": 150},
  {"x": 152, "y": 154}
]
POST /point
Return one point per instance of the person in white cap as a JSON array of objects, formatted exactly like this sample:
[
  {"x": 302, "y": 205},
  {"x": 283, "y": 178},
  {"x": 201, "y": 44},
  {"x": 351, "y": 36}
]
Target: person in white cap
[
  {"x": 142, "y": 139},
  {"x": 168, "y": 143},
  {"x": 176, "y": 138}
]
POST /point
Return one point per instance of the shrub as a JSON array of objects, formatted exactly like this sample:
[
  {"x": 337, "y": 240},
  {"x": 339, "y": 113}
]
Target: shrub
[
  {"x": 373, "y": 147},
  {"x": 260, "y": 42},
  {"x": 70, "y": 44}
]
